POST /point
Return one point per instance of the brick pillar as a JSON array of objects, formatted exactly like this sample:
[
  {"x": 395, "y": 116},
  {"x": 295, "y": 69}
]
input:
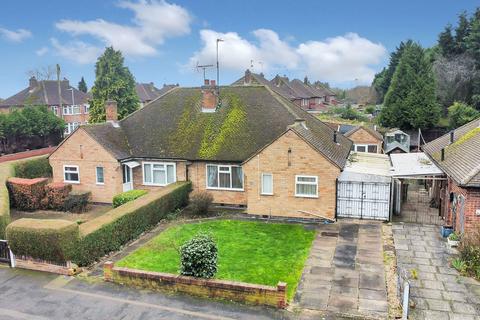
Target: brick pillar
[
  {"x": 108, "y": 271},
  {"x": 282, "y": 295}
]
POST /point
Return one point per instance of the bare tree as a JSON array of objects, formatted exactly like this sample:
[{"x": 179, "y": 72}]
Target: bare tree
[{"x": 42, "y": 73}]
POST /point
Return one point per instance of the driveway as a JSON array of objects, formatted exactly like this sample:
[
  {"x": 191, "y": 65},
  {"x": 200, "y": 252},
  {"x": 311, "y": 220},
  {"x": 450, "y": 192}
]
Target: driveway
[
  {"x": 439, "y": 292},
  {"x": 40, "y": 296},
  {"x": 345, "y": 271}
]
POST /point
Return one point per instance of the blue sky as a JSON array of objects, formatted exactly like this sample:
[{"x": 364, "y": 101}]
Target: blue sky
[{"x": 342, "y": 42}]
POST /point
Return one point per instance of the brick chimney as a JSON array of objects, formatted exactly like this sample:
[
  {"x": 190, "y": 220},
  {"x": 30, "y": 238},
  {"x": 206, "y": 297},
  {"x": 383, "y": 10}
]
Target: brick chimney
[
  {"x": 32, "y": 82},
  {"x": 248, "y": 77},
  {"x": 209, "y": 96},
  {"x": 111, "y": 111}
]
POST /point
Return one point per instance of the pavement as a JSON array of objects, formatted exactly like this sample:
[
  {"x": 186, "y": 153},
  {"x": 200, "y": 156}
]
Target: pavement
[
  {"x": 439, "y": 292},
  {"x": 40, "y": 296},
  {"x": 344, "y": 272}
]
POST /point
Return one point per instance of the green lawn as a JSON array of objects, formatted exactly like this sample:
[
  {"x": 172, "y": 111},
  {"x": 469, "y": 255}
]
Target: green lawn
[{"x": 253, "y": 252}]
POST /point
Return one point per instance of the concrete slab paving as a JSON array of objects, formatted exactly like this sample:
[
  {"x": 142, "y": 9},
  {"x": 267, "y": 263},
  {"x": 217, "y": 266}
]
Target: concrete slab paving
[
  {"x": 349, "y": 257},
  {"x": 440, "y": 292}
]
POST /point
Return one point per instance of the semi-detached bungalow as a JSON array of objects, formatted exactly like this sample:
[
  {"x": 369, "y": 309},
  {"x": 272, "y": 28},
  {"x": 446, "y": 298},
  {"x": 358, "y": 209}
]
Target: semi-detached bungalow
[{"x": 247, "y": 146}]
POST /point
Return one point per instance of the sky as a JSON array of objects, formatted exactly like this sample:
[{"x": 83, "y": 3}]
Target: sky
[{"x": 341, "y": 42}]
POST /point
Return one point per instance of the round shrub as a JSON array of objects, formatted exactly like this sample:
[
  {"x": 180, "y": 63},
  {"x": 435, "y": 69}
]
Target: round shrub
[
  {"x": 198, "y": 257},
  {"x": 200, "y": 201}
]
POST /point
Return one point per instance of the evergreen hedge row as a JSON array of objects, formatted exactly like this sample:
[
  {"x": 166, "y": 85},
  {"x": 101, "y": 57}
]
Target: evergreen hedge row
[
  {"x": 127, "y": 196},
  {"x": 114, "y": 229},
  {"x": 6, "y": 171},
  {"x": 51, "y": 240},
  {"x": 35, "y": 168}
]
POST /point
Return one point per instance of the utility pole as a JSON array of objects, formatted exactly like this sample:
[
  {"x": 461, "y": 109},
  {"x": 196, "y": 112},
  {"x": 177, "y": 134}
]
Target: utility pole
[
  {"x": 60, "y": 108},
  {"x": 218, "y": 69}
]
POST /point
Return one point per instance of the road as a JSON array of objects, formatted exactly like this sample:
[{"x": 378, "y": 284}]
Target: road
[{"x": 41, "y": 296}]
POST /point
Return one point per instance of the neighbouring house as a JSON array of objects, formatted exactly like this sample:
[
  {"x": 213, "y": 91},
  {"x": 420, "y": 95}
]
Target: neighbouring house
[
  {"x": 457, "y": 154},
  {"x": 312, "y": 98},
  {"x": 247, "y": 146},
  {"x": 364, "y": 138},
  {"x": 74, "y": 103},
  {"x": 147, "y": 92},
  {"x": 396, "y": 141}
]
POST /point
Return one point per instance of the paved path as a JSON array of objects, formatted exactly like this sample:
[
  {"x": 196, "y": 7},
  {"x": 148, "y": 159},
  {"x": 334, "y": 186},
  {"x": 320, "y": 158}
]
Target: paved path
[
  {"x": 439, "y": 292},
  {"x": 40, "y": 296},
  {"x": 345, "y": 271}
]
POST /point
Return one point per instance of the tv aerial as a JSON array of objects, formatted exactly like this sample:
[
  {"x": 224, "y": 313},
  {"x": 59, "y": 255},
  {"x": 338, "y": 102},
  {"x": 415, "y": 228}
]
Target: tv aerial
[{"x": 204, "y": 68}]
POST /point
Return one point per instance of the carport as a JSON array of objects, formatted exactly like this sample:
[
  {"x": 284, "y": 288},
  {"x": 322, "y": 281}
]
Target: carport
[
  {"x": 418, "y": 188},
  {"x": 364, "y": 187}
]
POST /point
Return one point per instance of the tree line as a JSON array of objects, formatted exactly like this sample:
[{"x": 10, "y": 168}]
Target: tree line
[
  {"x": 421, "y": 85},
  {"x": 29, "y": 128}
]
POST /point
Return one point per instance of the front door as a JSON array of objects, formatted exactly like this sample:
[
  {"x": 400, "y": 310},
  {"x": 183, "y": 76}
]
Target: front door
[{"x": 127, "y": 178}]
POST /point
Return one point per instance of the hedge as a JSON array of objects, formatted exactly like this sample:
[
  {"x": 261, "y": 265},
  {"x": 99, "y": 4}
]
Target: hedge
[
  {"x": 127, "y": 196},
  {"x": 26, "y": 194},
  {"x": 6, "y": 171},
  {"x": 76, "y": 201},
  {"x": 49, "y": 240},
  {"x": 35, "y": 168},
  {"x": 115, "y": 228}
]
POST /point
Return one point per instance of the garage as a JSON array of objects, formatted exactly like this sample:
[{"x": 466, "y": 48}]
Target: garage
[{"x": 364, "y": 187}]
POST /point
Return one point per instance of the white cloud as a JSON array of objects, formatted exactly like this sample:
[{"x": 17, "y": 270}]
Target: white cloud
[
  {"x": 339, "y": 59},
  {"x": 343, "y": 58},
  {"x": 154, "y": 21},
  {"x": 77, "y": 51},
  {"x": 42, "y": 51},
  {"x": 15, "y": 35}
]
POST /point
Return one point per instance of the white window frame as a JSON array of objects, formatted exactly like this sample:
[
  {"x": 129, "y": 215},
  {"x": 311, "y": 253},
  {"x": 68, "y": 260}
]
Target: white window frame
[
  {"x": 363, "y": 145},
  {"x": 151, "y": 163},
  {"x": 263, "y": 193},
  {"x": 304, "y": 102},
  {"x": 96, "y": 175},
  {"x": 78, "y": 172},
  {"x": 218, "y": 177},
  {"x": 70, "y": 109},
  {"x": 71, "y": 126},
  {"x": 308, "y": 183},
  {"x": 54, "y": 110},
  {"x": 86, "y": 108}
]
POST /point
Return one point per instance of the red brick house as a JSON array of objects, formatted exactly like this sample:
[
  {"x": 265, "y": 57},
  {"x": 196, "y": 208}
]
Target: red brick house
[
  {"x": 312, "y": 98},
  {"x": 75, "y": 103},
  {"x": 248, "y": 147},
  {"x": 457, "y": 154}
]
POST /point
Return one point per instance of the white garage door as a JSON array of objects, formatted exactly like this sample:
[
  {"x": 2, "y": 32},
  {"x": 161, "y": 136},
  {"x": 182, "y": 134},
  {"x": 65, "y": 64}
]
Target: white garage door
[{"x": 364, "y": 200}]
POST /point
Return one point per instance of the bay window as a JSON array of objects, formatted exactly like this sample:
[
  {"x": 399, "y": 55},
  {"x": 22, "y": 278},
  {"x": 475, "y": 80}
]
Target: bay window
[
  {"x": 229, "y": 177},
  {"x": 306, "y": 186},
  {"x": 159, "y": 173}
]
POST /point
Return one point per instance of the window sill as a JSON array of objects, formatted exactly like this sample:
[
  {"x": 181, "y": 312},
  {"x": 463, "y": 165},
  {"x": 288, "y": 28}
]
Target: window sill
[
  {"x": 306, "y": 196},
  {"x": 225, "y": 189},
  {"x": 100, "y": 184},
  {"x": 156, "y": 185},
  {"x": 266, "y": 194},
  {"x": 72, "y": 182}
]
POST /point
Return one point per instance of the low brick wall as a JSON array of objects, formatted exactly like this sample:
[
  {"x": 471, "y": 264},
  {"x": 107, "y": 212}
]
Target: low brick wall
[
  {"x": 68, "y": 269},
  {"x": 206, "y": 288}
]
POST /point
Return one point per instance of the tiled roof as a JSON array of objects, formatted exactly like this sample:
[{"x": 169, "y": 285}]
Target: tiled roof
[
  {"x": 45, "y": 92},
  {"x": 111, "y": 138},
  {"x": 373, "y": 132},
  {"x": 462, "y": 157},
  {"x": 249, "y": 118},
  {"x": 147, "y": 91}
]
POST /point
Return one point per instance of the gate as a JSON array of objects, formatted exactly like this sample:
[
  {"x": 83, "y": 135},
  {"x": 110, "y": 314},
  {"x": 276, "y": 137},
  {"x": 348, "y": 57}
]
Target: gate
[
  {"x": 363, "y": 200},
  {"x": 6, "y": 255}
]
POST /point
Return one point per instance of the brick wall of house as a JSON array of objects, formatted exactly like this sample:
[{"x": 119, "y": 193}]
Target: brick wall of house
[
  {"x": 362, "y": 136},
  {"x": 197, "y": 175},
  {"x": 81, "y": 150},
  {"x": 137, "y": 173},
  {"x": 472, "y": 204},
  {"x": 303, "y": 160}
]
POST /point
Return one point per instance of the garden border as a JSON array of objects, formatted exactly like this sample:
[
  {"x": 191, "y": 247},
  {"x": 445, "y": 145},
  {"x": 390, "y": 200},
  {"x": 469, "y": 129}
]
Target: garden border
[{"x": 205, "y": 288}]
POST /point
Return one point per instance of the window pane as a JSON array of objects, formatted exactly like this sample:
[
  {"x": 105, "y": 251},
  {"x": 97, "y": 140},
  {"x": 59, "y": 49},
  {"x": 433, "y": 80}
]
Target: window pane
[
  {"x": 100, "y": 178},
  {"x": 147, "y": 173},
  {"x": 372, "y": 148},
  {"x": 361, "y": 149},
  {"x": 159, "y": 176},
  {"x": 237, "y": 177},
  {"x": 170, "y": 173},
  {"x": 224, "y": 180},
  {"x": 212, "y": 178},
  {"x": 306, "y": 179},
  {"x": 306, "y": 189},
  {"x": 267, "y": 184}
]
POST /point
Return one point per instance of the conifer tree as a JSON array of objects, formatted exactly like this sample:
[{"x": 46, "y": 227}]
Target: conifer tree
[
  {"x": 461, "y": 32},
  {"x": 446, "y": 41},
  {"x": 113, "y": 81},
  {"x": 82, "y": 85}
]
